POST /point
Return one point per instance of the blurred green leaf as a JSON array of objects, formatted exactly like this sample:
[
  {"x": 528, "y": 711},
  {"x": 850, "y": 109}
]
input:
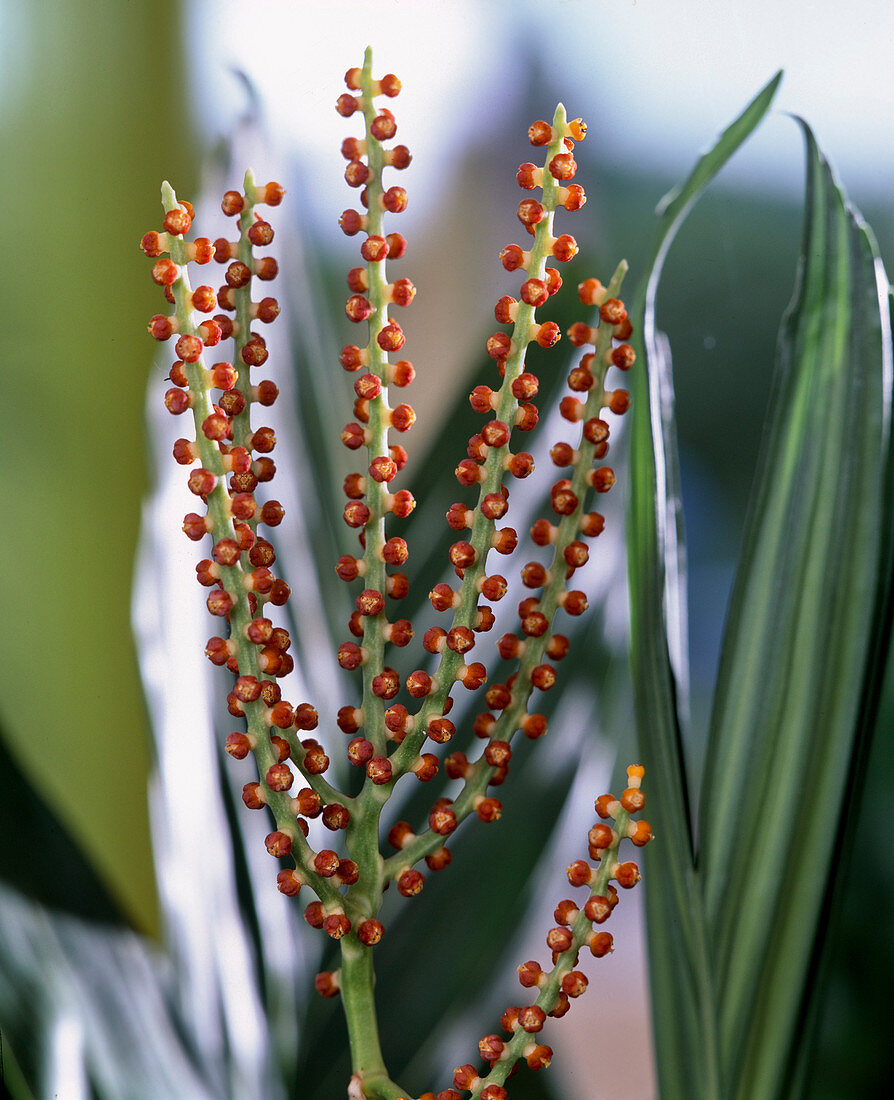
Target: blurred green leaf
[
  {"x": 70, "y": 883},
  {"x": 91, "y": 116},
  {"x": 807, "y": 630},
  {"x": 682, "y": 999}
]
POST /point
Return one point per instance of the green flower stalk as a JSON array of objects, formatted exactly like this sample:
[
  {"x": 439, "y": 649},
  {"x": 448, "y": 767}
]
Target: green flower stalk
[{"x": 391, "y": 719}]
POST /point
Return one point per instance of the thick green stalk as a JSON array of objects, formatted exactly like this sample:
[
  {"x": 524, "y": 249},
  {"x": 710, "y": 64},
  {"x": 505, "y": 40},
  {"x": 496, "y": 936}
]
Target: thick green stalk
[{"x": 357, "y": 981}]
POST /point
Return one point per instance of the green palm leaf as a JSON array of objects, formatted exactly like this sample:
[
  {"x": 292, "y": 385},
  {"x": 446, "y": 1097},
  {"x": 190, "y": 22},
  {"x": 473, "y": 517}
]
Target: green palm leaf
[
  {"x": 737, "y": 926},
  {"x": 682, "y": 998},
  {"x": 802, "y": 646}
]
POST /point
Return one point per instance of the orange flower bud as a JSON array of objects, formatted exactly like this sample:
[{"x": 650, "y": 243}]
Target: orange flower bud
[
  {"x": 600, "y": 944},
  {"x": 633, "y": 799},
  {"x": 326, "y": 982},
  {"x": 627, "y": 875},
  {"x": 540, "y": 133}
]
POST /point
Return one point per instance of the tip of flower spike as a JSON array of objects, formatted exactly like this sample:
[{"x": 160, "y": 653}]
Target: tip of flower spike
[{"x": 168, "y": 197}]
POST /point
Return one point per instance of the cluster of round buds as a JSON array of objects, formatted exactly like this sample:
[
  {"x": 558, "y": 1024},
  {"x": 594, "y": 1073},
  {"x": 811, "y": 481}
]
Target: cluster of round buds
[
  {"x": 231, "y": 459},
  {"x": 572, "y": 525},
  {"x": 489, "y": 457},
  {"x": 604, "y": 839},
  {"x": 609, "y": 334},
  {"x": 576, "y": 928},
  {"x": 510, "y": 408},
  {"x": 536, "y": 646},
  {"x": 232, "y": 456},
  {"x": 371, "y": 495},
  {"x": 542, "y": 281}
]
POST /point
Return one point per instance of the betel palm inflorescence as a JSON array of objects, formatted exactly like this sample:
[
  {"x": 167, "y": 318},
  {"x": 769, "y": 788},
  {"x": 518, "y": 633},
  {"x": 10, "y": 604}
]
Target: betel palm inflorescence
[{"x": 393, "y": 722}]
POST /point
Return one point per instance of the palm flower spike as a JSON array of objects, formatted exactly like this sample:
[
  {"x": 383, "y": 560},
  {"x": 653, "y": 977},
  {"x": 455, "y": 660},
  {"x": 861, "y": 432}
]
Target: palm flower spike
[
  {"x": 231, "y": 461},
  {"x": 575, "y": 930}
]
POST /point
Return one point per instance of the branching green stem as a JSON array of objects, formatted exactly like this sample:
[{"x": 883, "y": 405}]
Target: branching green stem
[{"x": 361, "y": 902}]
